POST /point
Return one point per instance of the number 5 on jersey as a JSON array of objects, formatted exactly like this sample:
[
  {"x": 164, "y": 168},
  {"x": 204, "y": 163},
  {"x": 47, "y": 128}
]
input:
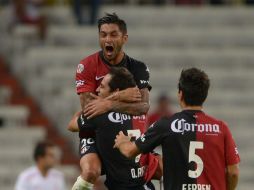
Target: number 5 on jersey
[{"x": 193, "y": 157}]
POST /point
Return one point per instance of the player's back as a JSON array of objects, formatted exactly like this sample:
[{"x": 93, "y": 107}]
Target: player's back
[
  {"x": 196, "y": 151},
  {"x": 121, "y": 172}
]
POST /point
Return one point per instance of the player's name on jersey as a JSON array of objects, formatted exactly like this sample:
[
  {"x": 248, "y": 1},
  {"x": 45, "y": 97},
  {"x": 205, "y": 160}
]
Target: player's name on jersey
[
  {"x": 196, "y": 187},
  {"x": 138, "y": 172},
  {"x": 181, "y": 126}
]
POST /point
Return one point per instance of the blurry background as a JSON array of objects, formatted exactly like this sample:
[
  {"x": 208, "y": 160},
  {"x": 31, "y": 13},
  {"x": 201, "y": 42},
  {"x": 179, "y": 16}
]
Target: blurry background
[{"x": 41, "y": 43}]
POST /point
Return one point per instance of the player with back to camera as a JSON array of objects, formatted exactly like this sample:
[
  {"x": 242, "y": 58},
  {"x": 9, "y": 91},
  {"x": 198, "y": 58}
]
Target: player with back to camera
[{"x": 198, "y": 150}]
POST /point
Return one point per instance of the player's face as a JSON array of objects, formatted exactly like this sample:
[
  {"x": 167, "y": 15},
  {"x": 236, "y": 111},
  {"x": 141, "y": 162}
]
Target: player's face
[
  {"x": 104, "y": 90},
  {"x": 50, "y": 157},
  {"x": 111, "y": 40}
]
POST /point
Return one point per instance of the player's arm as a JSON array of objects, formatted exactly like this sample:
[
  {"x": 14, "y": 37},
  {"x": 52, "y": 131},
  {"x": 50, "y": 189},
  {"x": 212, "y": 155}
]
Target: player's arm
[
  {"x": 100, "y": 106},
  {"x": 128, "y": 95},
  {"x": 73, "y": 124},
  {"x": 152, "y": 138},
  {"x": 85, "y": 98},
  {"x": 135, "y": 108},
  {"x": 80, "y": 123},
  {"x": 126, "y": 147},
  {"x": 232, "y": 159},
  {"x": 232, "y": 174}
]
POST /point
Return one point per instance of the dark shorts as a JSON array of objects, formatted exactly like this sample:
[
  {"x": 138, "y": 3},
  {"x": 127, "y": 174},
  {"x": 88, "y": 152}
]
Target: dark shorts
[{"x": 86, "y": 146}]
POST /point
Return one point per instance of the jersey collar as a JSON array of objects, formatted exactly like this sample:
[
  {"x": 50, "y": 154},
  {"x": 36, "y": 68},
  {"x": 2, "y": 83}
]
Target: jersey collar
[{"x": 123, "y": 62}]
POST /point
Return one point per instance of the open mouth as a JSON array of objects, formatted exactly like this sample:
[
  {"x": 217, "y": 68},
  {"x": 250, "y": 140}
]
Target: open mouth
[{"x": 109, "y": 50}]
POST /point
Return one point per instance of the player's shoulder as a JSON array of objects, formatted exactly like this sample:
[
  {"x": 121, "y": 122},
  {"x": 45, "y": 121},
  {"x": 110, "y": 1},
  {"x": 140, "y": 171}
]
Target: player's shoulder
[
  {"x": 214, "y": 120},
  {"x": 135, "y": 63},
  {"x": 163, "y": 122},
  {"x": 91, "y": 59}
]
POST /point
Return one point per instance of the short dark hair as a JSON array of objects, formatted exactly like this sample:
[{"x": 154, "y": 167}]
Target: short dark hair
[
  {"x": 121, "y": 79},
  {"x": 113, "y": 19},
  {"x": 194, "y": 83},
  {"x": 40, "y": 149}
]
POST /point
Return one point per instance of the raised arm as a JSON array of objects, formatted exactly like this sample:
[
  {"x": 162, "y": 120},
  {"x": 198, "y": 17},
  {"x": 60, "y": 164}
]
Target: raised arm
[{"x": 85, "y": 98}]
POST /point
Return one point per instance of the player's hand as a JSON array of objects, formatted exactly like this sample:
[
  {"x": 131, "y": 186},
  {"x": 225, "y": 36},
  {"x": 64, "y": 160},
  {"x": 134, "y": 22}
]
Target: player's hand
[
  {"x": 127, "y": 95},
  {"x": 97, "y": 107},
  {"x": 120, "y": 139}
]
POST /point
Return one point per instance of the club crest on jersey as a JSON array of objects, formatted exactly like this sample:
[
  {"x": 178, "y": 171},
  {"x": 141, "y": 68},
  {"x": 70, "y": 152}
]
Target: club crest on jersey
[
  {"x": 181, "y": 126},
  {"x": 80, "y": 68}
]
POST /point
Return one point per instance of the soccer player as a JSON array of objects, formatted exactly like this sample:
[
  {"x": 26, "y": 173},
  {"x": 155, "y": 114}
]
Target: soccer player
[
  {"x": 42, "y": 176},
  {"x": 198, "y": 150},
  {"x": 90, "y": 72},
  {"x": 121, "y": 173}
]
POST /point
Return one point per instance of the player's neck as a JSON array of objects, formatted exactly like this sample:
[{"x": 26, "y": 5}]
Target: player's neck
[
  {"x": 192, "y": 108},
  {"x": 118, "y": 58}
]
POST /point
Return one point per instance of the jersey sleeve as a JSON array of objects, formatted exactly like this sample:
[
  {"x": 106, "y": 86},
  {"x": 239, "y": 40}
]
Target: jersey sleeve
[
  {"x": 84, "y": 124},
  {"x": 231, "y": 153},
  {"x": 153, "y": 137},
  {"x": 85, "y": 77},
  {"x": 142, "y": 76}
]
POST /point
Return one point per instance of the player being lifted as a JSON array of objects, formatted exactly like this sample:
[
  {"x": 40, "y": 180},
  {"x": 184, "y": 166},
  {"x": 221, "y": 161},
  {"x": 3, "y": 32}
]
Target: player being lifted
[
  {"x": 121, "y": 173},
  {"x": 198, "y": 150},
  {"x": 90, "y": 72}
]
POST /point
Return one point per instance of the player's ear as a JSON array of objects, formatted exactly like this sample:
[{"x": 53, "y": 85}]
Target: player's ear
[
  {"x": 125, "y": 38},
  {"x": 180, "y": 96}
]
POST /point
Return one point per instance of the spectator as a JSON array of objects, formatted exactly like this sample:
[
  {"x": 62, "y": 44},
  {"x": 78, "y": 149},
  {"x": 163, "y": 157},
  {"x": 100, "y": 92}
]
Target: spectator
[
  {"x": 94, "y": 7},
  {"x": 42, "y": 176},
  {"x": 162, "y": 109},
  {"x": 28, "y": 12}
]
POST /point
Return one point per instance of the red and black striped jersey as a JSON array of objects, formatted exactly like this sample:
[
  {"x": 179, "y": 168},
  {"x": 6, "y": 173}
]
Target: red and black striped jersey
[
  {"x": 121, "y": 173},
  {"x": 196, "y": 149},
  {"x": 92, "y": 69}
]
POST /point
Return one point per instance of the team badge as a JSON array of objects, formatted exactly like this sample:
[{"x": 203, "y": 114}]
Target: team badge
[{"x": 80, "y": 68}]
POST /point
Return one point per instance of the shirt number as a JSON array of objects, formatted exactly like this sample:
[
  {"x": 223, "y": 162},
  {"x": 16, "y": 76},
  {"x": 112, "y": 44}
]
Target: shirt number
[{"x": 193, "y": 157}]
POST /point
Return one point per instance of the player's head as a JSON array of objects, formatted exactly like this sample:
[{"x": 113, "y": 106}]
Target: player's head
[
  {"x": 119, "y": 78},
  {"x": 112, "y": 35},
  {"x": 45, "y": 154},
  {"x": 193, "y": 87}
]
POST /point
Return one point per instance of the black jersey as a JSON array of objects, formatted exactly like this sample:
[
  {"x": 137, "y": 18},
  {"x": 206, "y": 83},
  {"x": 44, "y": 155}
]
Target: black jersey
[
  {"x": 122, "y": 173},
  {"x": 196, "y": 149}
]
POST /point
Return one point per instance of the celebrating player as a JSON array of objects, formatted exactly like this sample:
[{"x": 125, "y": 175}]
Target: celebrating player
[
  {"x": 90, "y": 72},
  {"x": 198, "y": 150},
  {"x": 121, "y": 173}
]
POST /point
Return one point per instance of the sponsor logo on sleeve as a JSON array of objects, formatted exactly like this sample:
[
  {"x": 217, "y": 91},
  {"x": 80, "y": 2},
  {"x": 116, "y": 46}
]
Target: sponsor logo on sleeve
[
  {"x": 80, "y": 68},
  {"x": 144, "y": 81},
  {"x": 80, "y": 83}
]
